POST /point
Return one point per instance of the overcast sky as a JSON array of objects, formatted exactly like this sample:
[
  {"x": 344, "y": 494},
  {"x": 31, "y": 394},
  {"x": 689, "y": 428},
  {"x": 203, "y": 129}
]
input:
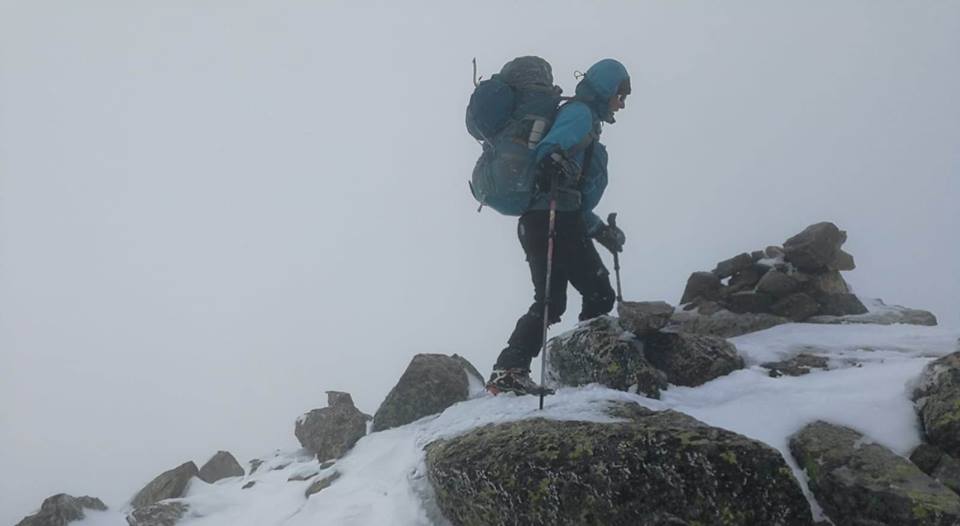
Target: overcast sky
[{"x": 211, "y": 213}]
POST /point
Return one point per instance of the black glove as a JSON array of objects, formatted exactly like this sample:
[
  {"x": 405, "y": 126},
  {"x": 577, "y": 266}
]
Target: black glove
[
  {"x": 611, "y": 237},
  {"x": 553, "y": 164}
]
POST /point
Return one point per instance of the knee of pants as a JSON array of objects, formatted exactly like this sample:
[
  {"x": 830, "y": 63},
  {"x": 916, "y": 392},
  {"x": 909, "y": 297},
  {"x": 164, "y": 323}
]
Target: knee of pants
[{"x": 557, "y": 307}]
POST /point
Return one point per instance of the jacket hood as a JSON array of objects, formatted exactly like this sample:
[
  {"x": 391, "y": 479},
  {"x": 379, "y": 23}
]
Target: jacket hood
[{"x": 601, "y": 82}]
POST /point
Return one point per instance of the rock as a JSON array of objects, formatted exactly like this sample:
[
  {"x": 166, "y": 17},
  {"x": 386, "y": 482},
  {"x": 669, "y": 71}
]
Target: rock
[
  {"x": 842, "y": 261},
  {"x": 162, "y": 514},
  {"x": 797, "y": 306},
  {"x": 704, "y": 285},
  {"x": 255, "y": 465},
  {"x": 746, "y": 279},
  {"x": 841, "y": 305},
  {"x": 882, "y": 314},
  {"x": 939, "y": 465},
  {"x": 431, "y": 383},
  {"x": 60, "y": 509},
  {"x": 753, "y": 302},
  {"x": 643, "y": 317},
  {"x": 331, "y": 432},
  {"x": 691, "y": 359},
  {"x": 774, "y": 252},
  {"x": 322, "y": 484},
  {"x": 825, "y": 284},
  {"x": 937, "y": 400},
  {"x": 757, "y": 255},
  {"x": 170, "y": 484},
  {"x": 814, "y": 249},
  {"x": 220, "y": 466},
  {"x": 652, "y": 468},
  {"x": 733, "y": 265},
  {"x": 857, "y": 481},
  {"x": 799, "y": 365},
  {"x": 601, "y": 351},
  {"x": 725, "y": 324},
  {"x": 706, "y": 308},
  {"x": 777, "y": 284},
  {"x": 249, "y": 485}
]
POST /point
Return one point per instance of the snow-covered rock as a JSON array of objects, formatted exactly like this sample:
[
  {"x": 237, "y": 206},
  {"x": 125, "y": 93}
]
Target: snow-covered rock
[
  {"x": 62, "y": 509},
  {"x": 167, "y": 485},
  {"x": 647, "y": 468},
  {"x": 160, "y": 514},
  {"x": 691, "y": 359},
  {"x": 860, "y": 482},
  {"x": 331, "y": 431},
  {"x": 431, "y": 383},
  {"x": 601, "y": 351},
  {"x": 938, "y": 402}
]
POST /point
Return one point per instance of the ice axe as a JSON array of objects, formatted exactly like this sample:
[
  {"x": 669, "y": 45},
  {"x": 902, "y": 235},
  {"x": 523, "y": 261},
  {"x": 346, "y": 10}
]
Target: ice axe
[{"x": 612, "y": 221}]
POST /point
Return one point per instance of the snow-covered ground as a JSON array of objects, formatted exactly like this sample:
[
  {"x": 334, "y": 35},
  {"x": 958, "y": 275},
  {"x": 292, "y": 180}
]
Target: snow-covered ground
[{"x": 383, "y": 478}]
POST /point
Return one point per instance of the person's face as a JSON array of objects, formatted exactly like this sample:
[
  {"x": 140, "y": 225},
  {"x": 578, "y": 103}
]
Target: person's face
[{"x": 617, "y": 103}]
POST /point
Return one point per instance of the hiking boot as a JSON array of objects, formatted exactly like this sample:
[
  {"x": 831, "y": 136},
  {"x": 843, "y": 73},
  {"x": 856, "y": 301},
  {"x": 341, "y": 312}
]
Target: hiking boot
[{"x": 516, "y": 381}]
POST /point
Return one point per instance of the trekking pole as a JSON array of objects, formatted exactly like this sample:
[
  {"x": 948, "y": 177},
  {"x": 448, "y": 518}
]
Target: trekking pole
[
  {"x": 612, "y": 221},
  {"x": 551, "y": 235}
]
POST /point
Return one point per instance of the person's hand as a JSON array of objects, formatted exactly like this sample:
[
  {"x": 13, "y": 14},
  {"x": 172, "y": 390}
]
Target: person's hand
[
  {"x": 610, "y": 237},
  {"x": 553, "y": 164}
]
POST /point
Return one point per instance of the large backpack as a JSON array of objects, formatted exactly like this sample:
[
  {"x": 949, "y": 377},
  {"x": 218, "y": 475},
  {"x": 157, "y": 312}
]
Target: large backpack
[{"x": 509, "y": 114}]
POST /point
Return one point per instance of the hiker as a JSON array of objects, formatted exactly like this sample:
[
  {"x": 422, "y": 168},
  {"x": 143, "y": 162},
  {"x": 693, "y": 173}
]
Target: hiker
[{"x": 570, "y": 154}]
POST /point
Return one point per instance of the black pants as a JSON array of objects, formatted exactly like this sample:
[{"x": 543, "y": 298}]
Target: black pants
[{"x": 575, "y": 261}]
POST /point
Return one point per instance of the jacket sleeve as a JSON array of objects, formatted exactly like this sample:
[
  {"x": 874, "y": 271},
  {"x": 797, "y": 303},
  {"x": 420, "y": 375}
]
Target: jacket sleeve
[
  {"x": 573, "y": 124},
  {"x": 592, "y": 186}
]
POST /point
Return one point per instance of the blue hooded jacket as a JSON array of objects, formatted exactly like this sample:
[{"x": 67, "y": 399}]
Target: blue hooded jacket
[{"x": 577, "y": 124}]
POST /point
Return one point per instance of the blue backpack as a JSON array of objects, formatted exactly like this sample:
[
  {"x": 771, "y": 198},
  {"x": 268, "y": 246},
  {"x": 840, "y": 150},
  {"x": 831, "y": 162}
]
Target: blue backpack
[{"x": 509, "y": 114}]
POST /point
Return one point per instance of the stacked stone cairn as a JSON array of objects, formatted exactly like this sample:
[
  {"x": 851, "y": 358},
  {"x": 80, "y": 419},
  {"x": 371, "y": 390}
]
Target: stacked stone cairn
[{"x": 799, "y": 280}]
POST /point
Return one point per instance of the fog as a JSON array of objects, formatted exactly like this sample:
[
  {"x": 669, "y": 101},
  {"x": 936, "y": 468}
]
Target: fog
[{"x": 211, "y": 213}]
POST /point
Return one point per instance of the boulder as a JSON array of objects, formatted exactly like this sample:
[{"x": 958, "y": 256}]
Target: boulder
[
  {"x": 842, "y": 261},
  {"x": 733, "y": 265},
  {"x": 651, "y": 468},
  {"x": 799, "y": 365},
  {"x": 774, "y": 252},
  {"x": 797, "y": 306},
  {"x": 860, "y": 482},
  {"x": 746, "y": 279},
  {"x": 757, "y": 255},
  {"x": 161, "y": 514},
  {"x": 322, "y": 484},
  {"x": 331, "y": 432},
  {"x": 777, "y": 284},
  {"x": 220, "y": 466},
  {"x": 939, "y": 465},
  {"x": 170, "y": 484},
  {"x": 724, "y": 323},
  {"x": 601, "y": 351},
  {"x": 431, "y": 383},
  {"x": 691, "y": 359},
  {"x": 881, "y": 314},
  {"x": 61, "y": 509},
  {"x": 825, "y": 284},
  {"x": 706, "y": 308},
  {"x": 937, "y": 400},
  {"x": 704, "y": 285},
  {"x": 752, "y": 302},
  {"x": 841, "y": 305},
  {"x": 644, "y": 317},
  {"x": 814, "y": 249}
]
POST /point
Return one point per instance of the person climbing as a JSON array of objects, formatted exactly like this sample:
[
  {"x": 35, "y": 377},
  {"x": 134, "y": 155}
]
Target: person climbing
[{"x": 571, "y": 156}]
